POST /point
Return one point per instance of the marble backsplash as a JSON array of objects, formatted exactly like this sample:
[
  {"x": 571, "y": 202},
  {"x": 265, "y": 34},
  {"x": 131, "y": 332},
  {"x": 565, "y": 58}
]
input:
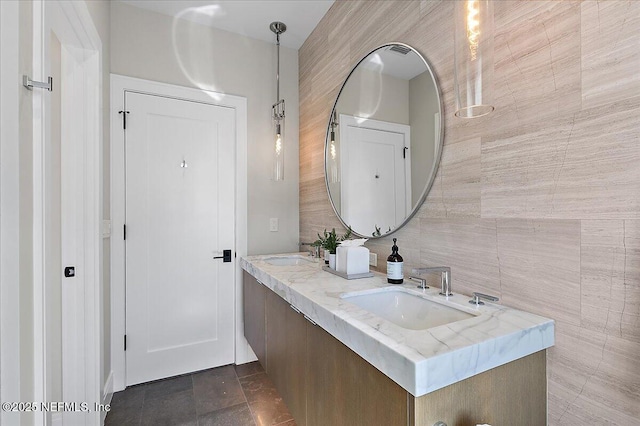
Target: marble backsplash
[{"x": 539, "y": 203}]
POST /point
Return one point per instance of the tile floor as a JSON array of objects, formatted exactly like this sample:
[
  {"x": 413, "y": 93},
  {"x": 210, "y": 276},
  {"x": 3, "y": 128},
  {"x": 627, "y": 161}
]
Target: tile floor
[{"x": 240, "y": 395}]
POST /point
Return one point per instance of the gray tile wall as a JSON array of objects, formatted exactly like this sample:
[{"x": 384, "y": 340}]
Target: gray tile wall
[{"x": 540, "y": 202}]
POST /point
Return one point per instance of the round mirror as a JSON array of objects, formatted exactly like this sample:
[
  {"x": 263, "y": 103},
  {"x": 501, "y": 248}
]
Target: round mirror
[{"x": 384, "y": 140}]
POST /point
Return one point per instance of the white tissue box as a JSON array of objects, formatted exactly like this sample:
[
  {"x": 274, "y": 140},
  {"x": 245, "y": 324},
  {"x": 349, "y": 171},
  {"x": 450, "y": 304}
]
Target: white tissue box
[{"x": 352, "y": 260}]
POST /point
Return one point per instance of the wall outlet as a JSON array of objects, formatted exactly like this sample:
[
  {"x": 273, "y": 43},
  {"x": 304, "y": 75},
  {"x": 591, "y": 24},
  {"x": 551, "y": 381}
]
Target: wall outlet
[
  {"x": 373, "y": 259},
  {"x": 273, "y": 224}
]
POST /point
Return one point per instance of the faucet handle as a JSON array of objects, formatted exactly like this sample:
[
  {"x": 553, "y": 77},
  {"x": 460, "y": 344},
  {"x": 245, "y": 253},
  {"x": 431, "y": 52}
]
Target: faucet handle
[
  {"x": 423, "y": 283},
  {"x": 477, "y": 296}
]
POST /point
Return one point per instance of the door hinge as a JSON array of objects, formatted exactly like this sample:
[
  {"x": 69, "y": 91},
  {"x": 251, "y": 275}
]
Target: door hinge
[
  {"x": 125, "y": 342},
  {"x": 124, "y": 231},
  {"x": 124, "y": 119}
]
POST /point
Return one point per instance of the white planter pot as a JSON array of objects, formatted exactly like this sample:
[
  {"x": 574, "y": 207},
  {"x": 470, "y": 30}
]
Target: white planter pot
[{"x": 332, "y": 261}]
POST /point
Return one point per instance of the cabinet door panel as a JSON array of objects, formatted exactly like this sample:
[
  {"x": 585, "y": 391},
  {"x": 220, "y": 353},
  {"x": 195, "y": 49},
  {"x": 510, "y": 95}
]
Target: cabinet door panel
[
  {"x": 296, "y": 386},
  {"x": 344, "y": 389},
  {"x": 253, "y": 303},
  {"x": 287, "y": 355},
  {"x": 276, "y": 340},
  {"x": 511, "y": 394},
  {"x": 325, "y": 400}
]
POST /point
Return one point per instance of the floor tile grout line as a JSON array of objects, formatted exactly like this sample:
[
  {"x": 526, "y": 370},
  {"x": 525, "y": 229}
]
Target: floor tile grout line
[
  {"x": 244, "y": 395},
  {"x": 195, "y": 404},
  {"x": 251, "y": 404},
  {"x": 225, "y": 408},
  {"x": 249, "y": 375},
  {"x": 144, "y": 400},
  {"x": 243, "y": 392},
  {"x": 253, "y": 416}
]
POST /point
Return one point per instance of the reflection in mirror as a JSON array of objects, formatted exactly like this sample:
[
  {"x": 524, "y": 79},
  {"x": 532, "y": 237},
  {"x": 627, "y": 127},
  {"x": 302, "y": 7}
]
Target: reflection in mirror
[{"x": 384, "y": 140}]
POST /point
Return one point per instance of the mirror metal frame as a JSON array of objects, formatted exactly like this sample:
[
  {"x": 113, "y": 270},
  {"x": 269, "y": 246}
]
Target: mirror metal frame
[{"x": 437, "y": 157}]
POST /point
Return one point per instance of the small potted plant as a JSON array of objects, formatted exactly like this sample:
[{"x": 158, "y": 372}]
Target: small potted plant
[
  {"x": 322, "y": 243},
  {"x": 331, "y": 244}
]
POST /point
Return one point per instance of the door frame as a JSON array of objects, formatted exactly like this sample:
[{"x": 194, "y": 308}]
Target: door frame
[
  {"x": 9, "y": 210},
  {"x": 75, "y": 29},
  {"x": 119, "y": 85}
]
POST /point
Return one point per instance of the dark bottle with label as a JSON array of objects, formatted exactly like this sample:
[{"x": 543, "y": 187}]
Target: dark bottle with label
[{"x": 395, "y": 274}]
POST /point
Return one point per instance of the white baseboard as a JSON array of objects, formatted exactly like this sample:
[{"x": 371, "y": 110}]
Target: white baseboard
[
  {"x": 56, "y": 419},
  {"x": 244, "y": 353},
  {"x": 107, "y": 391},
  {"x": 107, "y": 394}
]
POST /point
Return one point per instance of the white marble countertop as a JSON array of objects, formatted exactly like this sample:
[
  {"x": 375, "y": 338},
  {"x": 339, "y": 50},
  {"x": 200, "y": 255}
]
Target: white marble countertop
[{"x": 421, "y": 361}]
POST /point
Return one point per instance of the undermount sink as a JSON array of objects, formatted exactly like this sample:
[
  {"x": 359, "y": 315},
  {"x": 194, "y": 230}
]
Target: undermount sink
[
  {"x": 287, "y": 260},
  {"x": 405, "y": 309}
]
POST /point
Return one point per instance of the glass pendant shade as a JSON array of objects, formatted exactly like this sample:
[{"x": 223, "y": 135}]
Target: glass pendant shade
[
  {"x": 333, "y": 160},
  {"x": 334, "y": 169},
  {"x": 473, "y": 58},
  {"x": 278, "y": 148}
]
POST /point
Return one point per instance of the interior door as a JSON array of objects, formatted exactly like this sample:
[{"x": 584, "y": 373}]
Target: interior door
[
  {"x": 376, "y": 187},
  {"x": 180, "y": 188}
]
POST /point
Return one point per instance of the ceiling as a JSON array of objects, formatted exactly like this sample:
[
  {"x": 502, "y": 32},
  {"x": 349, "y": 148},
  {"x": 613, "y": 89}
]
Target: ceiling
[
  {"x": 388, "y": 62},
  {"x": 247, "y": 17}
]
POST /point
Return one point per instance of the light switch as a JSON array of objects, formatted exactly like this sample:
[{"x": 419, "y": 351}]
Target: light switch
[
  {"x": 373, "y": 259},
  {"x": 273, "y": 224}
]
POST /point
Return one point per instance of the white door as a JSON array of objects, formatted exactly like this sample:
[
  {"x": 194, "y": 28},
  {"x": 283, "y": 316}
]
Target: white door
[
  {"x": 71, "y": 237},
  {"x": 180, "y": 186},
  {"x": 376, "y": 186},
  {"x": 67, "y": 211}
]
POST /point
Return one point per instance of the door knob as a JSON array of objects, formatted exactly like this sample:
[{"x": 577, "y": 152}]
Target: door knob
[
  {"x": 69, "y": 271},
  {"x": 226, "y": 256}
]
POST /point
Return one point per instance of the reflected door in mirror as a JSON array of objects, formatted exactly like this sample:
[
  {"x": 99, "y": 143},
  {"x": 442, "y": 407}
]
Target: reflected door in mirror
[{"x": 376, "y": 194}]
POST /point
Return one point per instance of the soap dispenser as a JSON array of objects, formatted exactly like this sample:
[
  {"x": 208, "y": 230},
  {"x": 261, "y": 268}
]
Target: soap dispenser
[{"x": 395, "y": 273}]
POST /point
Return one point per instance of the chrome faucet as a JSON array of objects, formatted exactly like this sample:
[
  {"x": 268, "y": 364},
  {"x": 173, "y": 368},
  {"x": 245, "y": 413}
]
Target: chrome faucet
[
  {"x": 445, "y": 278},
  {"x": 315, "y": 250}
]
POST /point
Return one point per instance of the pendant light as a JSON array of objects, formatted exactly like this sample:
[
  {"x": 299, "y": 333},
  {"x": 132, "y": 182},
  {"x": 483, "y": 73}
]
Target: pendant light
[
  {"x": 334, "y": 168},
  {"x": 473, "y": 58},
  {"x": 278, "y": 111}
]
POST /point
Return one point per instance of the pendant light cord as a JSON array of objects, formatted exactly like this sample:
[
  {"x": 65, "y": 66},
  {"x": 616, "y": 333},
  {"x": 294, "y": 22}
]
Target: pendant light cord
[{"x": 278, "y": 68}]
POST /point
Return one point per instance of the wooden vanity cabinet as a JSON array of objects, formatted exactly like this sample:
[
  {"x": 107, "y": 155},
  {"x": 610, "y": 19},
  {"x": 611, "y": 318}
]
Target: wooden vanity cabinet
[
  {"x": 323, "y": 382},
  {"x": 253, "y": 306}
]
